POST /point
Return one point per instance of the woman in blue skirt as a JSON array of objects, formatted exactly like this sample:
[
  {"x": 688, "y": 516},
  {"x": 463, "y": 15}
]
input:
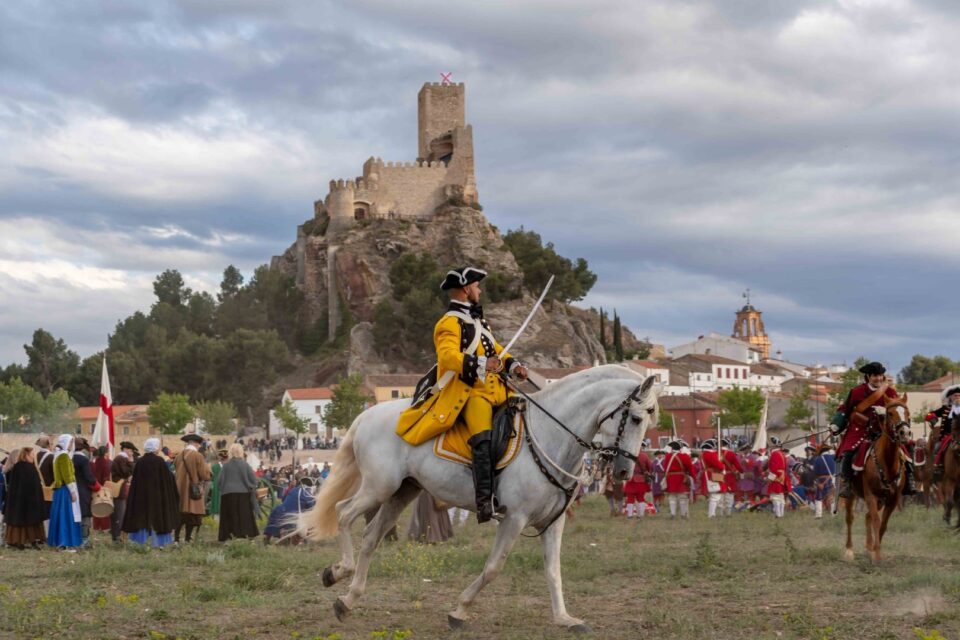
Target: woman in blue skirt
[{"x": 65, "y": 530}]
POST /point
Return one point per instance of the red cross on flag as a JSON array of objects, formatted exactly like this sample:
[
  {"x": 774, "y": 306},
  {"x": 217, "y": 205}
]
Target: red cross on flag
[{"x": 103, "y": 434}]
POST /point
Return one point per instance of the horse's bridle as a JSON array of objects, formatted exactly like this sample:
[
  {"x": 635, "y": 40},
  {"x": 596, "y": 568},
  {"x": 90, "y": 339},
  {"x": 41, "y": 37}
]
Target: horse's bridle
[
  {"x": 605, "y": 453},
  {"x": 889, "y": 485}
]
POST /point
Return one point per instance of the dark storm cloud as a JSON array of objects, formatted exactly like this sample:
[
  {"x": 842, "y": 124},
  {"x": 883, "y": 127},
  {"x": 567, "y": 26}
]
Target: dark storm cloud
[{"x": 688, "y": 150}]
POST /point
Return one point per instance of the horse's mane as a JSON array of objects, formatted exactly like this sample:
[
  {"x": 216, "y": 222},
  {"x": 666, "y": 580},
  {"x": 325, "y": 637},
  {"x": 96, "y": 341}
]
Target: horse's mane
[{"x": 593, "y": 375}]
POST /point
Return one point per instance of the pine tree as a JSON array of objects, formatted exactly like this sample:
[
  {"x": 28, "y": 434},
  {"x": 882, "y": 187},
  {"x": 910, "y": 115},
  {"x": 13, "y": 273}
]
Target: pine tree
[
  {"x": 617, "y": 337},
  {"x": 603, "y": 331}
]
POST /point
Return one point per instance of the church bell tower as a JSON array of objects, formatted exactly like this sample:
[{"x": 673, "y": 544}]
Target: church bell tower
[{"x": 749, "y": 327}]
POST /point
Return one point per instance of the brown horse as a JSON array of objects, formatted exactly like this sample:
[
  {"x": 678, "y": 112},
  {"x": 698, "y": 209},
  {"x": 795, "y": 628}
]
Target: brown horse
[
  {"x": 950, "y": 484},
  {"x": 882, "y": 480}
]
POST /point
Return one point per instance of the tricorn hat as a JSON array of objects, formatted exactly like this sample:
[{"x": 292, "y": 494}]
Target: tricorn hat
[
  {"x": 775, "y": 441},
  {"x": 709, "y": 445},
  {"x": 459, "y": 278},
  {"x": 809, "y": 447},
  {"x": 129, "y": 445},
  {"x": 873, "y": 369},
  {"x": 191, "y": 437},
  {"x": 675, "y": 445},
  {"x": 949, "y": 391}
]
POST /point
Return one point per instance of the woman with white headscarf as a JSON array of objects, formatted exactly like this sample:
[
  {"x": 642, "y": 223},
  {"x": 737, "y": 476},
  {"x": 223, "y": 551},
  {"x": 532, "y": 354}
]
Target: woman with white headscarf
[
  {"x": 153, "y": 504},
  {"x": 65, "y": 531}
]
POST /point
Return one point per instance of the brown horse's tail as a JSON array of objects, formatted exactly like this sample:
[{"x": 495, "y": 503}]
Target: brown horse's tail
[{"x": 321, "y": 521}]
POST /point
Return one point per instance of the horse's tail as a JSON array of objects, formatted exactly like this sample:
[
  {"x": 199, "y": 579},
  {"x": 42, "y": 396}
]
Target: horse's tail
[{"x": 321, "y": 522}]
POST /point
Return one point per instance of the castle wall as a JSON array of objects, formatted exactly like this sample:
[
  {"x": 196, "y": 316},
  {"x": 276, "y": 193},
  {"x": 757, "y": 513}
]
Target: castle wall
[{"x": 408, "y": 189}]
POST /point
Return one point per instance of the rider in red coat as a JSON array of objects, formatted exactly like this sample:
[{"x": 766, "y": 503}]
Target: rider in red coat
[
  {"x": 678, "y": 468},
  {"x": 713, "y": 466},
  {"x": 863, "y": 425},
  {"x": 779, "y": 477}
]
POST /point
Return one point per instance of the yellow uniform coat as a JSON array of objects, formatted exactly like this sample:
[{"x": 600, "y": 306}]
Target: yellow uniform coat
[{"x": 439, "y": 412}]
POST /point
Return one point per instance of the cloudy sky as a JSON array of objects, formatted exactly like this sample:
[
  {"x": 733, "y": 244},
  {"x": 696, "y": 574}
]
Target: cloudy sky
[{"x": 689, "y": 150}]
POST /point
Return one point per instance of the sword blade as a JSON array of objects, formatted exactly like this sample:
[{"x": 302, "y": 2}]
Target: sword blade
[{"x": 523, "y": 326}]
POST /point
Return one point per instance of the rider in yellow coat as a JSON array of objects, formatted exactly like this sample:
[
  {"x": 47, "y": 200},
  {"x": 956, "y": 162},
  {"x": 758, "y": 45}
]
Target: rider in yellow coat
[{"x": 469, "y": 361}]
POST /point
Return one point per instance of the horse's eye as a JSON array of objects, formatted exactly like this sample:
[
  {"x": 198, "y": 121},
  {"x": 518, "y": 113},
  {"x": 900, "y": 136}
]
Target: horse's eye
[{"x": 650, "y": 411}]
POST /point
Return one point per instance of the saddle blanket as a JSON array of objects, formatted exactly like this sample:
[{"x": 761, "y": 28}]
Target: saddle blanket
[
  {"x": 860, "y": 459},
  {"x": 452, "y": 444},
  {"x": 919, "y": 456}
]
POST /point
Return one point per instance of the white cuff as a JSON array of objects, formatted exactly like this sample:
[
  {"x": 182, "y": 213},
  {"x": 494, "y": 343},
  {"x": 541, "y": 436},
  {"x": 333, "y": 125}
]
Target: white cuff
[
  {"x": 482, "y": 368},
  {"x": 513, "y": 365}
]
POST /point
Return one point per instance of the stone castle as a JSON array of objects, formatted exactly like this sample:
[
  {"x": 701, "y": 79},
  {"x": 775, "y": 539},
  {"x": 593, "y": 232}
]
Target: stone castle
[{"x": 442, "y": 172}]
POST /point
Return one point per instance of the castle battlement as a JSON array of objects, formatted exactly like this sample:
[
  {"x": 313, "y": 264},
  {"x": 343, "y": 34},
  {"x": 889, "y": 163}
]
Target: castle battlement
[{"x": 412, "y": 189}]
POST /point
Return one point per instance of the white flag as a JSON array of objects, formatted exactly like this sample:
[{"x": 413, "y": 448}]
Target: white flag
[{"x": 103, "y": 433}]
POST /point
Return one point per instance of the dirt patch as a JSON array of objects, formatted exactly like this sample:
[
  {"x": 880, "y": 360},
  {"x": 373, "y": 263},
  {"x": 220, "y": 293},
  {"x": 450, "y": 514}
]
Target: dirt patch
[{"x": 918, "y": 603}]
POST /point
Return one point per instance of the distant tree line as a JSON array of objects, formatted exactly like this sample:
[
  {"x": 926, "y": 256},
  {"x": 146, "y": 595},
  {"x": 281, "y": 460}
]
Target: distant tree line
[{"x": 225, "y": 349}]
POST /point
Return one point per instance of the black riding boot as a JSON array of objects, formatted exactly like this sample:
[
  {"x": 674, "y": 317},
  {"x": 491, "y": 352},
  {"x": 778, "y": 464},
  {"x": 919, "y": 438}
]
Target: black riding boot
[
  {"x": 846, "y": 475},
  {"x": 483, "y": 480},
  {"x": 910, "y": 487}
]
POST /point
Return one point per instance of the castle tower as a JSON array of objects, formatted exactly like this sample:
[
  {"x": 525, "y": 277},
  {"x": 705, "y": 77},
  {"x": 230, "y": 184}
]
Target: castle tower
[
  {"x": 440, "y": 109},
  {"x": 749, "y": 327}
]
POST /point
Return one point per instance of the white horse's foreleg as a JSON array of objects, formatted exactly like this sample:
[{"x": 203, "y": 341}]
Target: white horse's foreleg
[
  {"x": 373, "y": 534},
  {"x": 507, "y": 534},
  {"x": 552, "y": 539}
]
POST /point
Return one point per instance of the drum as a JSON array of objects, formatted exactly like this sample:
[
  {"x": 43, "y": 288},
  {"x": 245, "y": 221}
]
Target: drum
[
  {"x": 102, "y": 505},
  {"x": 114, "y": 488},
  {"x": 262, "y": 493}
]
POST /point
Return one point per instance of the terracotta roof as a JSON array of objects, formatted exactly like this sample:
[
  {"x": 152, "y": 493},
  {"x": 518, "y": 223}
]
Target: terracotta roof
[
  {"x": 649, "y": 364},
  {"x": 559, "y": 372},
  {"x": 941, "y": 383},
  {"x": 91, "y": 413},
  {"x": 393, "y": 379},
  {"x": 311, "y": 393},
  {"x": 692, "y": 401}
]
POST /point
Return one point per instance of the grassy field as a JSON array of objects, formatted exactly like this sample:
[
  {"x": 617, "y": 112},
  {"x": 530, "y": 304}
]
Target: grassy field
[{"x": 745, "y": 577}]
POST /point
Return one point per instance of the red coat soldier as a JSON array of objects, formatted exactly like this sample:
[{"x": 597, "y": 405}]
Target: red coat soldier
[
  {"x": 778, "y": 476},
  {"x": 731, "y": 476},
  {"x": 712, "y": 482},
  {"x": 678, "y": 469},
  {"x": 637, "y": 487}
]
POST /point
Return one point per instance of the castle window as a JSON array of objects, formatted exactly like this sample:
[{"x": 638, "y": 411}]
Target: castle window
[{"x": 359, "y": 213}]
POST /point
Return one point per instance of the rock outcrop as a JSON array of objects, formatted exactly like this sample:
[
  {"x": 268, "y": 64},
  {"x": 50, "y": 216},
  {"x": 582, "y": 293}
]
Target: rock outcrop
[{"x": 356, "y": 263}]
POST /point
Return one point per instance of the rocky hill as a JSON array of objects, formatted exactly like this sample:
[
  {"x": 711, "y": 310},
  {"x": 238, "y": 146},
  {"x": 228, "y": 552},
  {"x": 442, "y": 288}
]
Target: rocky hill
[{"x": 359, "y": 260}]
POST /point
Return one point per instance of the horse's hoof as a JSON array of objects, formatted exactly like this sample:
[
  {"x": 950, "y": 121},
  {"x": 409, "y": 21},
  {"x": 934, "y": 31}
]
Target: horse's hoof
[
  {"x": 456, "y": 623},
  {"x": 327, "y": 577},
  {"x": 340, "y": 609},
  {"x": 581, "y": 629},
  {"x": 848, "y": 555}
]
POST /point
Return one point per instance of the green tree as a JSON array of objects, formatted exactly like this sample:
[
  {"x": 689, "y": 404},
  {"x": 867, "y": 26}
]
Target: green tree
[
  {"x": 231, "y": 283},
  {"x": 740, "y": 407},
  {"x": 58, "y": 413},
  {"x": 170, "y": 412},
  {"x": 798, "y": 411},
  {"x": 287, "y": 414},
  {"x": 665, "y": 421},
  {"x": 50, "y": 363},
  {"x": 573, "y": 280},
  {"x": 169, "y": 288},
  {"x": 617, "y": 338},
  {"x": 603, "y": 330},
  {"x": 217, "y": 416},
  {"x": 348, "y": 402},
  {"x": 21, "y": 404},
  {"x": 922, "y": 369}
]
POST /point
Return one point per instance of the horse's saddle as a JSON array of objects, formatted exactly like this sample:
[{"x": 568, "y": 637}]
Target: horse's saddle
[
  {"x": 508, "y": 426},
  {"x": 860, "y": 459}
]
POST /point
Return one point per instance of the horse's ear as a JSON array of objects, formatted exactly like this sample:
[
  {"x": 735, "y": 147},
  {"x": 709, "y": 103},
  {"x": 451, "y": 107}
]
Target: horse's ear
[
  {"x": 647, "y": 385},
  {"x": 904, "y": 398}
]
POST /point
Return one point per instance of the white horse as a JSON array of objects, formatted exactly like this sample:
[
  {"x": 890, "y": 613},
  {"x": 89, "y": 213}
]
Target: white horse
[{"x": 376, "y": 468}]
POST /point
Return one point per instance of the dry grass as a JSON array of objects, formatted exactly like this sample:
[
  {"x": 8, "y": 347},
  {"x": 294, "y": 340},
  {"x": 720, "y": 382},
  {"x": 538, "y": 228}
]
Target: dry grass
[{"x": 745, "y": 577}]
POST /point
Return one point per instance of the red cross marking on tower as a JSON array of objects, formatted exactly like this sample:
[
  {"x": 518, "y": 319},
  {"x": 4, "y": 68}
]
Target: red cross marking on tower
[{"x": 445, "y": 77}]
